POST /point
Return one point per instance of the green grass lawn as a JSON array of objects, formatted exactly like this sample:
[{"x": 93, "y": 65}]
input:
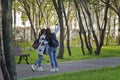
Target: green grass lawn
[
  {"x": 107, "y": 51},
  {"x": 107, "y": 73}
]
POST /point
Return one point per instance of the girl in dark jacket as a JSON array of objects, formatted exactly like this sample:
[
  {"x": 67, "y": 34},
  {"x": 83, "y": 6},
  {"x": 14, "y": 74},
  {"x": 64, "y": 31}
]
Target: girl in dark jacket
[{"x": 52, "y": 50}]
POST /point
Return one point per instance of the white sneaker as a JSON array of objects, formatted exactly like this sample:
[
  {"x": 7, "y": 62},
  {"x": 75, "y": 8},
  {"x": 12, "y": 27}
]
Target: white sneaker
[
  {"x": 40, "y": 69},
  {"x": 33, "y": 67},
  {"x": 57, "y": 69},
  {"x": 52, "y": 70}
]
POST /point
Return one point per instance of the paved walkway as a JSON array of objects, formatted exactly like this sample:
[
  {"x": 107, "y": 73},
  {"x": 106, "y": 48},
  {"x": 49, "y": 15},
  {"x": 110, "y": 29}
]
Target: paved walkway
[{"x": 24, "y": 70}]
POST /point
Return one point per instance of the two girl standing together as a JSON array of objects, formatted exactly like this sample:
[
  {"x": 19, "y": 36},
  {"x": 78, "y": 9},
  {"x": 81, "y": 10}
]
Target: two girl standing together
[{"x": 45, "y": 44}]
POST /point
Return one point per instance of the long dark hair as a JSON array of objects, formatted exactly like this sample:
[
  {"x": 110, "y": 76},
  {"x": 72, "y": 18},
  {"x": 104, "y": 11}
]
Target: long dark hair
[
  {"x": 48, "y": 31},
  {"x": 41, "y": 32},
  {"x": 48, "y": 34}
]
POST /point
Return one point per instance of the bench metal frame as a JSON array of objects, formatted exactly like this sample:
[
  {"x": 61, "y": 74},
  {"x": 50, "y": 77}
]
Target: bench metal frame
[{"x": 18, "y": 52}]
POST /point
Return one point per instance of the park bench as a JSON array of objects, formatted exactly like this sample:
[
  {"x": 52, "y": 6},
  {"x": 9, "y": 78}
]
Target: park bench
[{"x": 18, "y": 52}]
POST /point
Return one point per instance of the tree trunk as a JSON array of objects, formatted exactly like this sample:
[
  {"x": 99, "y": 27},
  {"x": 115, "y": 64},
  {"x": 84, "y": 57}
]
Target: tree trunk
[
  {"x": 4, "y": 70},
  {"x": 115, "y": 6},
  {"x": 27, "y": 9},
  {"x": 61, "y": 50},
  {"x": 82, "y": 45},
  {"x": 68, "y": 31},
  {"x": 108, "y": 32},
  {"x": 114, "y": 35},
  {"x": 14, "y": 15},
  {"x": 59, "y": 13},
  {"x": 87, "y": 38},
  {"x": 7, "y": 37},
  {"x": 103, "y": 30},
  {"x": 119, "y": 32},
  {"x": 80, "y": 27},
  {"x": 91, "y": 24}
]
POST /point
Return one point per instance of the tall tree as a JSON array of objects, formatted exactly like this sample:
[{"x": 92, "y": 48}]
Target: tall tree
[
  {"x": 80, "y": 27},
  {"x": 115, "y": 6},
  {"x": 108, "y": 29},
  {"x": 99, "y": 43},
  {"x": 58, "y": 8},
  {"x": 26, "y": 4},
  {"x": 102, "y": 36},
  {"x": 87, "y": 33},
  {"x": 4, "y": 70},
  {"x": 68, "y": 31},
  {"x": 14, "y": 14},
  {"x": 85, "y": 30},
  {"x": 7, "y": 38}
]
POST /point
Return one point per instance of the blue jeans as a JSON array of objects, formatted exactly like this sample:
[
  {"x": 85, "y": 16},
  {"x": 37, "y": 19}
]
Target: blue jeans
[
  {"x": 53, "y": 58},
  {"x": 38, "y": 61}
]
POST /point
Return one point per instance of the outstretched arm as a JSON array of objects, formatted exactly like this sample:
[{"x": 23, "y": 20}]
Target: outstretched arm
[{"x": 57, "y": 29}]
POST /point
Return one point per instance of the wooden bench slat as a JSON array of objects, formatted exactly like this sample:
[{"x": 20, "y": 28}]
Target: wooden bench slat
[{"x": 18, "y": 52}]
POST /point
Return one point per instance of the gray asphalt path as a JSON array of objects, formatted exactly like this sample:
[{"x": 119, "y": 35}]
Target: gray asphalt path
[{"x": 24, "y": 70}]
